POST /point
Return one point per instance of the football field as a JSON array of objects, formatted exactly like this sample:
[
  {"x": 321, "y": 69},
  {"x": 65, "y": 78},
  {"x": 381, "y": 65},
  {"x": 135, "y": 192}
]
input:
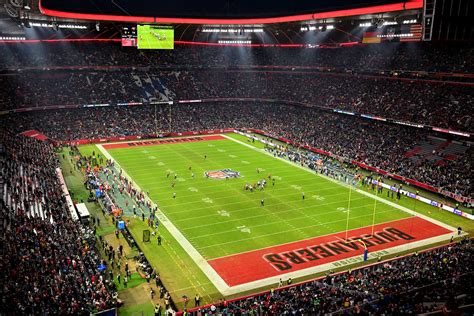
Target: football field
[{"x": 199, "y": 185}]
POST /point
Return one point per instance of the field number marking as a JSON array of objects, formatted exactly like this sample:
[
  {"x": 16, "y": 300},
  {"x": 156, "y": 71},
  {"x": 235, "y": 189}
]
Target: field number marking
[
  {"x": 244, "y": 229},
  {"x": 224, "y": 213},
  {"x": 318, "y": 197},
  {"x": 207, "y": 200}
]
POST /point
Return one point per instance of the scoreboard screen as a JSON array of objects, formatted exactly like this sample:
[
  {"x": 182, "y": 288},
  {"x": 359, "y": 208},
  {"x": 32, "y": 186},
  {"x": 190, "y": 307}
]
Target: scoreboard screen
[
  {"x": 129, "y": 36},
  {"x": 155, "y": 37}
]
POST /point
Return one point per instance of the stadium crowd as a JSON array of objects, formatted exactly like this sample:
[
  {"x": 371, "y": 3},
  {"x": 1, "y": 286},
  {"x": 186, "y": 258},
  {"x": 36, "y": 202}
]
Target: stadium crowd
[
  {"x": 415, "y": 102},
  {"x": 393, "y": 56},
  {"x": 436, "y": 280},
  {"x": 375, "y": 143},
  {"x": 49, "y": 261}
]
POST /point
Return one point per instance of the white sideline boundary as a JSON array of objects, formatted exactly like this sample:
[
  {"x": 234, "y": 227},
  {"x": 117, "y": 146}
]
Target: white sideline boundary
[
  {"x": 182, "y": 241},
  {"x": 225, "y": 289},
  {"x": 402, "y": 208}
]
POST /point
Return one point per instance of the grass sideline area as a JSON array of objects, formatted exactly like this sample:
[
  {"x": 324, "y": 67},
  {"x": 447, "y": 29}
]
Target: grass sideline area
[
  {"x": 135, "y": 295},
  {"x": 172, "y": 260}
]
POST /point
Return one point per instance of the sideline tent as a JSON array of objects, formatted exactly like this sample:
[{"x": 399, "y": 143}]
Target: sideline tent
[{"x": 83, "y": 212}]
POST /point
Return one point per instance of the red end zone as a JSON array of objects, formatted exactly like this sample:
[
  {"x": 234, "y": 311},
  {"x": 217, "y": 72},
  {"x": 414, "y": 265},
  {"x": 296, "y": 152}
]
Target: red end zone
[
  {"x": 163, "y": 141},
  {"x": 268, "y": 262}
]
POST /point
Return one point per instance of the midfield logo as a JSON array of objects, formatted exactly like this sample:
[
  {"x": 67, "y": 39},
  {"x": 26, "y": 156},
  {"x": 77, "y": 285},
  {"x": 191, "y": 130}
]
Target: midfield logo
[{"x": 222, "y": 174}]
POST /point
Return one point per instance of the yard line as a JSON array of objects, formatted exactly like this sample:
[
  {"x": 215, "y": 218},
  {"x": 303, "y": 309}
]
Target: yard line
[
  {"x": 205, "y": 183},
  {"x": 279, "y": 232},
  {"x": 246, "y": 209},
  {"x": 233, "y": 203},
  {"x": 249, "y": 286},
  {"x": 187, "y": 246},
  {"x": 376, "y": 197},
  {"x": 262, "y": 215}
]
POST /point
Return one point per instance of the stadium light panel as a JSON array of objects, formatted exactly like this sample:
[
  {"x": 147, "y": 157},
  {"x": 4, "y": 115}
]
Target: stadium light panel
[
  {"x": 233, "y": 42},
  {"x": 61, "y": 26}
]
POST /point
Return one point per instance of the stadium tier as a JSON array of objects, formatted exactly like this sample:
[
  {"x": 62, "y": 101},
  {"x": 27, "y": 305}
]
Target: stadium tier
[
  {"x": 426, "y": 57},
  {"x": 220, "y": 166},
  {"x": 386, "y": 146}
]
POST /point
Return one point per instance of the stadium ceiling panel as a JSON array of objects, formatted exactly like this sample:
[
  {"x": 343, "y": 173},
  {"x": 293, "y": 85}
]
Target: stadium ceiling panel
[{"x": 219, "y": 11}]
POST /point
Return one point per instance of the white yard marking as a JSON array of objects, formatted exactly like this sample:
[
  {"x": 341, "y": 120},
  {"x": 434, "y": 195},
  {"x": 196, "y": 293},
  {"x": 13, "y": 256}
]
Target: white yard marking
[
  {"x": 244, "y": 229},
  {"x": 223, "y": 213},
  {"x": 145, "y": 151},
  {"x": 221, "y": 150},
  {"x": 382, "y": 200},
  {"x": 207, "y": 200},
  {"x": 245, "y": 162},
  {"x": 232, "y": 156},
  {"x": 318, "y": 197},
  {"x": 296, "y": 187},
  {"x": 180, "y": 179},
  {"x": 224, "y": 289},
  {"x": 193, "y": 189},
  {"x": 174, "y": 231},
  {"x": 159, "y": 163},
  {"x": 152, "y": 157}
]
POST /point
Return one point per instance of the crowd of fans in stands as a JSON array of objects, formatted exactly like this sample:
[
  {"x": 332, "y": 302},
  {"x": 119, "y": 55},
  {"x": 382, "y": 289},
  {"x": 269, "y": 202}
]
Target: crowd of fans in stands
[
  {"x": 415, "y": 284},
  {"x": 416, "y": 102},
  {"x": 49, "y": 261},
  {"x": 391, "y": 56},
  {"x": 375, "y": 143}
]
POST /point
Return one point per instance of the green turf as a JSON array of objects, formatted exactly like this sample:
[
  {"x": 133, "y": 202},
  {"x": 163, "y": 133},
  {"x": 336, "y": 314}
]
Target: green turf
[
  {"x": 143, "y": 309},
  {"x": 220, "y": 218},
  {"x": 134, "y": 281},
  {"x": 178, "y": 272}
]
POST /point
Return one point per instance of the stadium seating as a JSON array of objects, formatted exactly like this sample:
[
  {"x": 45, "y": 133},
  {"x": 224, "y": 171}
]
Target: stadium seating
[
  {"x": 375, "y": 143},
  {"x": 422, "y": 103},
  {"x": 425, "y": 57},
  {"x": 49, "y": 261},
  {"x": 419, "y": 283}
]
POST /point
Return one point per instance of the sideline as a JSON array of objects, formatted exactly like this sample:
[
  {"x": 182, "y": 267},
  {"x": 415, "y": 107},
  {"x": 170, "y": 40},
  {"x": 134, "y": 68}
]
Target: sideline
[
  {"x": 183, "y": 242},
  {"x": 220, "y": 284}
]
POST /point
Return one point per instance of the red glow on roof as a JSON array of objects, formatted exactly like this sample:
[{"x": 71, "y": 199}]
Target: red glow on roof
[{"x": 407, "y": 5}]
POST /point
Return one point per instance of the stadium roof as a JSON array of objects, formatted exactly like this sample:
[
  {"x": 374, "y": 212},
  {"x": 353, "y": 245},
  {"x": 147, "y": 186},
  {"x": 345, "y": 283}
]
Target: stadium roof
[{"x": 219, "y": 11}]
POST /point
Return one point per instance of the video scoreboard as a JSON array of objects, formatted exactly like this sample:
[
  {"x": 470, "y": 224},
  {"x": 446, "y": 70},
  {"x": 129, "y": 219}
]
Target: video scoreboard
[
  {"x": 129, "y": 36},
  {"x": 147, "y": 36}
]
